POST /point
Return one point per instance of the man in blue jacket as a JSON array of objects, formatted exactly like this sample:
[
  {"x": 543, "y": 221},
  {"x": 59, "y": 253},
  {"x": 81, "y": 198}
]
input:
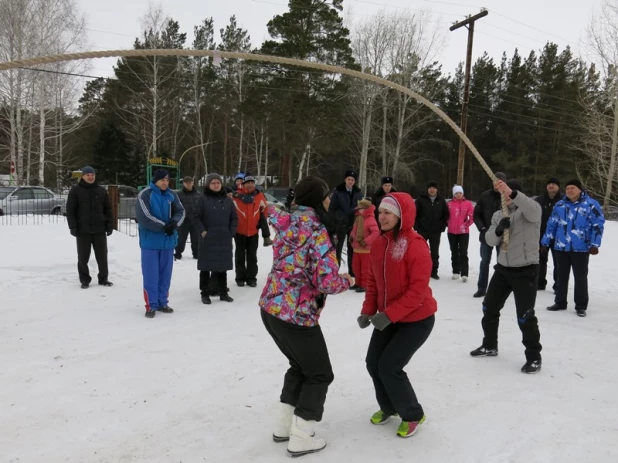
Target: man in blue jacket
[
  {"x": 575, "y": 228},
  {"x": 159, "y": 213}
]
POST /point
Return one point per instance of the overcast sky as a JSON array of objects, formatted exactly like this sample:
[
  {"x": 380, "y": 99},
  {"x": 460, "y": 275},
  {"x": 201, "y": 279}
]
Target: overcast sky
[{"x": 525, "y": 24}]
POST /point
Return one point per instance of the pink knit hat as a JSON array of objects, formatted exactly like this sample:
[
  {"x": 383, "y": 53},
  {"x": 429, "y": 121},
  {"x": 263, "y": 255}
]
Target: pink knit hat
[{"x": 390, "y": 204}]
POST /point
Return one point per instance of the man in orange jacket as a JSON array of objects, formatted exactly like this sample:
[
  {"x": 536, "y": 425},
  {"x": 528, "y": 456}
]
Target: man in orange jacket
[{"x": 250, "y": 204}]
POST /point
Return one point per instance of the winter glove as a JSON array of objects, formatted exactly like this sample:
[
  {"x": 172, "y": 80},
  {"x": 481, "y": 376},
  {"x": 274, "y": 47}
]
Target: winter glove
[
  {"x": 169, "y": 228},
  {"x": 380, "y": 321},
  {"x": 594, "y": 251},
  {"x": 363, "y": 321},
  {"x": 503, "y": 225},
  {"x": 73, "y": 232},
  {"x": 109, "y": 232},
  {"x": 544, "y": 250}
]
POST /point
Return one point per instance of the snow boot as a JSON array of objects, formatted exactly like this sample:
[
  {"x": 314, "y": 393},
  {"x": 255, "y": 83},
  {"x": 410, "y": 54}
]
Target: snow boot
[
  {"x": 150, "y": 313},
  {"x": 252, "y": 284},
  {"x": 380, "y": 418},
  {"x": 106, "y": 283},
  {"x": 85, "y": 285},
  {"x": 581, "y": 313},
  {"x": 531, "y": 367},
  {"x": 409, "y": 428},
  {"x": 556, "y": 308},
  {"x": 479, "y": 293},
  {"x": 302, "y": 440},
  {"x": 166, "y": 309},
  {"x": 283, "y": 425},
  {"x": 484, "y": 352},
  {"x": 464, "y": 279},
  {"x": 226, "y": 298},
  {"x": 455, "y": 276},
  {"x": 435, "y": 276},
  {"x": 268, "y": 242},
  {"x": 206, "y": 299}
]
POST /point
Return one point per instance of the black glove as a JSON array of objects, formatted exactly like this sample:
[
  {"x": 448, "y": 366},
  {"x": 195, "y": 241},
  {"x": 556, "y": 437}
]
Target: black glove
[
  {"x": 73, "y": 232},
  {"x": 169, "y": 228},
  {"x": 544, "y": 250},
  {"x": 380, "y": 321},
  {"x": 363, "y": 321},
  {"x": 503, "y": 225},
  {"x": 109, "y": 232}
]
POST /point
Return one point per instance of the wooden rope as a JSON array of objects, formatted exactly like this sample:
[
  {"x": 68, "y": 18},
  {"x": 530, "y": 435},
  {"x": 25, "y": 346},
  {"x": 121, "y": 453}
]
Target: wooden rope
[{"x": 268, "y": 59}]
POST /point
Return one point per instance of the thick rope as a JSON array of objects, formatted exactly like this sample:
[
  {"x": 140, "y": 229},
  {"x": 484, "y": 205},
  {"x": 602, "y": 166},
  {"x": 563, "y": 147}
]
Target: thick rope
[{"x": 269, "y": 59}]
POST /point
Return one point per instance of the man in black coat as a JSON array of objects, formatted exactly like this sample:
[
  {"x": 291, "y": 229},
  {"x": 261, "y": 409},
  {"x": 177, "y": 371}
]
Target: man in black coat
[
  {"x": 547, "y": 201},
  {"x": 489, "y": 202},
  {"x": 89, "y": 215},
  {"x": 343, "y": 204},
  {"x": 386, "y": 188},
  {"x": 189, "y": 197},
  {"x": 432, "y": 216}
]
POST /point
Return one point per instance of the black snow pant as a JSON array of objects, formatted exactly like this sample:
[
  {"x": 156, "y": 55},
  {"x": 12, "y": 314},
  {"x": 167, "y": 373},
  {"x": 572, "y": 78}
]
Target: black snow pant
[
  {"x": 246, "y": 258},
  {"x": 263, "y": 223},
  {"x": 343, "y": 238},
  {"x": 543, "y": 259},
  {"x": 578, "y": 261},
  {"x": 522, "y": 282},
  {"x": 183, "y": 232},
  {"x": 85, "y": 242},
  {"x": 306, "y": 382},
  {"x": 434, "y": 247},
  {"x": 459, "y": 253},
  {"x": 389, "y": 352},
  {"x": 213, "y": 283}
]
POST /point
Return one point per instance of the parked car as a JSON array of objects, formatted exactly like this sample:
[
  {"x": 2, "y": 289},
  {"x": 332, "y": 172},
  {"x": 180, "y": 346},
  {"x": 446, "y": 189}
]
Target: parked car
[
  {"x": 272, "y": 200},
  {"x": 279, "y": 193},
  {"x": 128, "y": 199},
  {"x": 30, "y": 200}
]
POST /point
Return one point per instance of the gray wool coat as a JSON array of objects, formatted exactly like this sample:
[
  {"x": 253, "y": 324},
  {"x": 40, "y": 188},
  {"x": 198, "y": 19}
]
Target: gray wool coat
[
  {"x": 524, "y": 232},
  {"x": 216, "y": 215}
]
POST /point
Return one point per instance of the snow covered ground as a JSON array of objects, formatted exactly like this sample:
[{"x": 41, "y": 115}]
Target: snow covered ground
[{"x": 86, "y": 378}]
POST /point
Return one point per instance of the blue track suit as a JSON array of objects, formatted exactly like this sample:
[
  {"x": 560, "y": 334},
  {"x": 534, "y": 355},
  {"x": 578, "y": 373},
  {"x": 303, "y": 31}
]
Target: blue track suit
[{"x": 154, "y": 209}]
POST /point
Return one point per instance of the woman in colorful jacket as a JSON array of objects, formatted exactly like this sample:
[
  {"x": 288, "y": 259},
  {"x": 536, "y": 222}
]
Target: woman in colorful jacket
[
  {"x": 304, "y": 271},
  {"x": 461, "y": 216},
  {"x": 364, "y": 232},
  {"x": 400, "y": 305}
]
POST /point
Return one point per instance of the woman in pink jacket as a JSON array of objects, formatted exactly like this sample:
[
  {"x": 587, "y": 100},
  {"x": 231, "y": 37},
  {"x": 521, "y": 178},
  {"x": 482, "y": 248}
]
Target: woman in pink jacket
[
  {"x": 461, "y": 217},
  {"x": 364, "y": 232}
]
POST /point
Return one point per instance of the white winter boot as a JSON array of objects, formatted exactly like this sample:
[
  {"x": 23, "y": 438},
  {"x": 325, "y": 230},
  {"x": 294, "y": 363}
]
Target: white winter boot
[
  {"x": 302, "y": 440},
  {"x": 455, "y": 276},
  {"x": 283, "y": 425}
]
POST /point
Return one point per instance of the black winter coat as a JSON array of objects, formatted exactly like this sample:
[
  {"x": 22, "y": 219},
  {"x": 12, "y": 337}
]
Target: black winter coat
[
  {"x": 89, "y": 209},
  {"x": 547, "y": 205},
  {"x": 431, "y": 216},
  {"x": 189, "y": 200},
  {"x": 377, "y": 197},
  {"x": 489, "y": 202},
  {"x": 343, "y": 206},
  {"x": 216, "y": 215}
]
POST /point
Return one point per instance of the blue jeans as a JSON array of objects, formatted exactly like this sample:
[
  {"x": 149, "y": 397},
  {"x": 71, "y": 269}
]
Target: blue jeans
[{"x": 486, "y": 252}]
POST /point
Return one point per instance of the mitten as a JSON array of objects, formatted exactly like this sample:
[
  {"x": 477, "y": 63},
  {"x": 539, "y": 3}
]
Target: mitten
[
  {"x": 503, "y": 225},
  {"x": 363, "y": 321},
  {"x": 380, "y": 321}
]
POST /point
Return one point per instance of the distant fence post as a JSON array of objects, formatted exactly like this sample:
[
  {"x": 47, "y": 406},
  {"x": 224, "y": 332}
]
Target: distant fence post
[{"x": 114, "y": 198}]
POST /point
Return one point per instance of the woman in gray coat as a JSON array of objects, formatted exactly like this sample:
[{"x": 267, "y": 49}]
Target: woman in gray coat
[{"x": 216, "y": 221}]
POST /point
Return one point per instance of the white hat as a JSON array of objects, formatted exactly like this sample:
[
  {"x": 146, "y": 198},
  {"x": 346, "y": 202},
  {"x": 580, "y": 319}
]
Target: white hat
[{"x": 457, "y": 189}]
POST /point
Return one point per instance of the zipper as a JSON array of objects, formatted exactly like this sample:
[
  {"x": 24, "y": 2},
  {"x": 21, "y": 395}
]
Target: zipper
[{"x": 388, "y": 243}]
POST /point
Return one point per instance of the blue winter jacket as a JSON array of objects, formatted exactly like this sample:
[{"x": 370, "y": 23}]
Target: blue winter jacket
[
  {"x": 153, "y": 210},
  {"x": 575, "y": 226}
]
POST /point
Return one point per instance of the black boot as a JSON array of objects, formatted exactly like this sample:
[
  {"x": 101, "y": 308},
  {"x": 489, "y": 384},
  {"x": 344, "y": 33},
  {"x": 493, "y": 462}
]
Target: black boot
[
  {"x": 225, "y": 297},
  {"x": 85, "y": 285},
  {"x": 531, "y": 366},
  {"x": 166, "y": 309},
  {"x": 479, "y": 293},
  {"x": 581, "y": 313},
  {"x": 106, "y": 283},
  {"x": 555, "y": 308},
  {"x": 206, "y": 299},
  {"x": 150, "y": 313}
]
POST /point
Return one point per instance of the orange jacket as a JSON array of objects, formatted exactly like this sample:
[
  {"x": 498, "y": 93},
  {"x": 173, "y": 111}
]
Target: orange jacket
[{"x": 249, "y": 208}]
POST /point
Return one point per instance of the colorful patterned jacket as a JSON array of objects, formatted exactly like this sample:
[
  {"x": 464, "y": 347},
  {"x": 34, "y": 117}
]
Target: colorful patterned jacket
[{"x": 304, "y": 270}]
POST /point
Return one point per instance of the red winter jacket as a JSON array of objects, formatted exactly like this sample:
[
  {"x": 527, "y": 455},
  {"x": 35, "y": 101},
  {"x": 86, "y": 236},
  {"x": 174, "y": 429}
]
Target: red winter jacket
[
  {"x": 398, "y": 283},
  {"x": 371, "y": 230}
]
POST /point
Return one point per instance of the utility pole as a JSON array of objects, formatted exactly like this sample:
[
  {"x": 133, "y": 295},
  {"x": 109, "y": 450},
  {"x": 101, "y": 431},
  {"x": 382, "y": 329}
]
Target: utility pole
[{"x": 469, "y": 22}]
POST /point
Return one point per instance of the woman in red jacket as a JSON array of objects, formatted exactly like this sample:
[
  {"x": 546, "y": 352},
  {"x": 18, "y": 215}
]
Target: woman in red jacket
[{"x": 400, "y": 305}]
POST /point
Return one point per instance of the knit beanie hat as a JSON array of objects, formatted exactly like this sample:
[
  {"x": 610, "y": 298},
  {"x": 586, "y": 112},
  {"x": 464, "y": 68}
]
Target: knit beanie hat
[
  {"x": 160, "y": 174},
  {"x": 212, "y": 177},
  {"x": 248, "y": 179},
  {"x": 575, "y": 182},
  {"x": 553, "y": 180},
  {"x": 87, "y": 170},
  {"x": 457, "y": 189},
  {"x": 351, "y": 173},
  {"x": 390, "y": 204},
  {"x": 239, "y": 176},
  {"x": 386, "y": 180},
  {"x": 432, "y": 184},
  {"x": 311, "y": 192},
  {"x": 515, "y": 185}
]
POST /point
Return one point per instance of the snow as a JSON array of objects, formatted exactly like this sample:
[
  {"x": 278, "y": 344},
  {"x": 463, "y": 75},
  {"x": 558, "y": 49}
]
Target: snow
[{"x": 86, "y": 378}]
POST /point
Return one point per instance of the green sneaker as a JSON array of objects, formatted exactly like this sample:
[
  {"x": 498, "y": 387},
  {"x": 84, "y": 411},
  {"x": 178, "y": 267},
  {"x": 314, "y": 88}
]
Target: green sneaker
[
  {"x": 409, "y": 428},
  {"x": 380, "y": 417}
]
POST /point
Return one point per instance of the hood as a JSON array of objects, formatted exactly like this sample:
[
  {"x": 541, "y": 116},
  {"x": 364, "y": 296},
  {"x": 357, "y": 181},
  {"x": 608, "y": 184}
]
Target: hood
[
  {"x": 408, "y": 209},
  {"x": 461, "y": 200},
  {"x": 367, "y": 212},
  {"x": 294, "y": 228}
]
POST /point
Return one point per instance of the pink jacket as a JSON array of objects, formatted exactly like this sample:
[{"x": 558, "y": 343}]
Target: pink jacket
[
  {"x": 372, "y": 231},
  {"x": 305, "y": 268},
  {"x": 461, "y": 216}
]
